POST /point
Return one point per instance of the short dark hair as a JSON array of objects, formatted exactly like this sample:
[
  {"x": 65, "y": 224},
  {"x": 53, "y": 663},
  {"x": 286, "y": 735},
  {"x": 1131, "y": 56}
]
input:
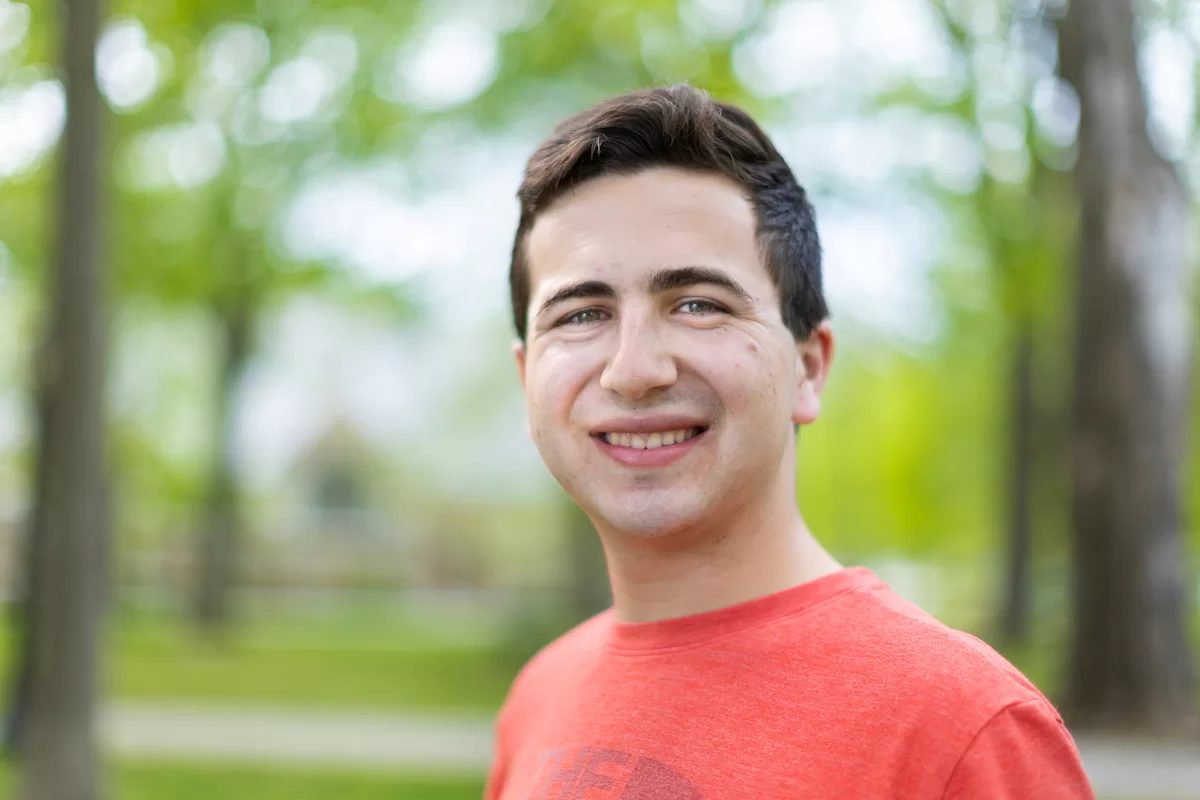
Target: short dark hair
[{"x": 681, "y": 126}]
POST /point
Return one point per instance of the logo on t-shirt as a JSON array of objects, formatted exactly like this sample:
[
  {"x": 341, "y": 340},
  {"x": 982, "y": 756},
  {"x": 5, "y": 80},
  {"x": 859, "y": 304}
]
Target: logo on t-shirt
[{"x": 598, "y": 773}]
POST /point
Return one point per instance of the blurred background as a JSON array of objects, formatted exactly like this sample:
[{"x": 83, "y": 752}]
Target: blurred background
[{"x": 320, "y": 544}]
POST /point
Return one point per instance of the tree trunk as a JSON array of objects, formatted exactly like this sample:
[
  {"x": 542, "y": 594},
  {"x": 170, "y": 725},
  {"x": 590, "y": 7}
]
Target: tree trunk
[
  {"x": 1130, "y": 664},
  {"x": 221, "y": 531},
  {"x": 59, "y": 746},
  {"x": 1014, "y": 619},
  {"x": 24, "y": 611}
]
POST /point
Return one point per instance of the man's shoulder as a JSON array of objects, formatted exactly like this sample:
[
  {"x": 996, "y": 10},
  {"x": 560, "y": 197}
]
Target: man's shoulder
[
  {"x": 916, "y": 657},
  {"x": 563, "y": 657},
  {"x": 580, "y": 641}
]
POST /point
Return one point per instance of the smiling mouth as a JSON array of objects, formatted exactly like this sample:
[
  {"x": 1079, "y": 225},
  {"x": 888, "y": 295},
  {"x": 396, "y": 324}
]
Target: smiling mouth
[{"x": 650, "y": 441}]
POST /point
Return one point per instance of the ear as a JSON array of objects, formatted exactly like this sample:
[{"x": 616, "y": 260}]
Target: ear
[
  {"x": 518, "y": 348},
  {"x": 814, "y": 356}
]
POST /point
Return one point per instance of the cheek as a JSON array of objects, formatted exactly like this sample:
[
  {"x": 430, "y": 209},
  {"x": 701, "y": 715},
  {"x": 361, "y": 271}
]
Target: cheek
[
  {"x": 560, "y": 376},
  {"x": 749, "y": 375}
]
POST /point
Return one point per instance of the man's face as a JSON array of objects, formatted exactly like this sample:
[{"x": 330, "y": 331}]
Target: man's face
[{"x": 660, "y": 380}]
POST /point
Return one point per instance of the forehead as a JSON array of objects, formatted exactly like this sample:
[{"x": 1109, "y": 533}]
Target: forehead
[{"x": 619, "y": 226}]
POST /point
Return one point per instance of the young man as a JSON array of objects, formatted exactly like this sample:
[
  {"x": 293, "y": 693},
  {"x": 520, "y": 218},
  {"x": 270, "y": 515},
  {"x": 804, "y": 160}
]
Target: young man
[{"x": 666, "y": 290}]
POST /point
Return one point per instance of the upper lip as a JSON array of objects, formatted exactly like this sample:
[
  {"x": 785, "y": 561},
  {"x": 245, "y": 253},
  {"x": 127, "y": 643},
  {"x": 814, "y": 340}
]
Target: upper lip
[{"x": 662, "y": 422}]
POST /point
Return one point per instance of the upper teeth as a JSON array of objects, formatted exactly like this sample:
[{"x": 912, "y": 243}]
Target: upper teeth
[{"x": 649, "y": 441}]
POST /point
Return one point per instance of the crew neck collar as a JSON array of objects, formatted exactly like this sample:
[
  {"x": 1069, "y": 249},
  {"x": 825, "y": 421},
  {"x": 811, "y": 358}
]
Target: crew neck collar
[{"x": 697, "y": 628}]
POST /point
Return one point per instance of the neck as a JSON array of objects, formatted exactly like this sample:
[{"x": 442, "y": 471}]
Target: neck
[{"x": 763, "y": 549}]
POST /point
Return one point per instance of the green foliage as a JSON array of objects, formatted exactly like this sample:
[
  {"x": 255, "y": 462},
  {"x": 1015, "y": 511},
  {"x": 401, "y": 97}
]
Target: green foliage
[{"x": 899, "y": 460}]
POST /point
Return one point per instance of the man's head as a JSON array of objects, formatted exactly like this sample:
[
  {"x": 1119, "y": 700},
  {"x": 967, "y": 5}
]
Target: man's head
[{"x": 666, "y": 286}]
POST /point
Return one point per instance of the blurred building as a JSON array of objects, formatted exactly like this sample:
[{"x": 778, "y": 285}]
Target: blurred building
[{"x": 334, "y": 490}]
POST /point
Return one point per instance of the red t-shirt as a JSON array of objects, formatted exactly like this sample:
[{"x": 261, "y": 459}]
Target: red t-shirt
[{"x": 837, "y": 688}]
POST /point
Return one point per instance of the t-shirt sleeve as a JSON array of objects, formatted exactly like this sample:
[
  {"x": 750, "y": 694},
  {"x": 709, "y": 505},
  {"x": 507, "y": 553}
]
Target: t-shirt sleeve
[{"x": 1024, "y": 753}]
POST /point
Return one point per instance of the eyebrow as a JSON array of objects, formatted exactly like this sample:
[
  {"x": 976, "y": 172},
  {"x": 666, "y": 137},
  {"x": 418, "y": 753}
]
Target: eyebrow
[
  {"x": 662, "y": 281},
  {"x": 576, "y": 291},
  {"x": 679, "y": 277}
]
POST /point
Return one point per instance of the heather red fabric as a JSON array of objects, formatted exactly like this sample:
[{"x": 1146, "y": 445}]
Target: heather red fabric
[{"x": 837, "y": 688}]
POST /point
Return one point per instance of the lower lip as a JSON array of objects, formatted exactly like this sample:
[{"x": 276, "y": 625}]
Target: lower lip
[{"x": 658, "y": 457}]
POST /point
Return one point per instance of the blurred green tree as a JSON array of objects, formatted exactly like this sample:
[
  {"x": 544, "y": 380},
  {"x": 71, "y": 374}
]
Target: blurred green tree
[
  {"x": 1130, "y": 661},
  {"x": 208, "y": 242},
  {"x": 1024, "y": 218}
]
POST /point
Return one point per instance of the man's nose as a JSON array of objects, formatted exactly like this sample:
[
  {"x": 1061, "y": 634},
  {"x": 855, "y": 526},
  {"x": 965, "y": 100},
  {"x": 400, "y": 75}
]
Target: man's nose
[{"x": 642, "y": 362}]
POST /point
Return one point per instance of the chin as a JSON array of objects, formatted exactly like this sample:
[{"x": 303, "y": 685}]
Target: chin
[{"x": 649, "y": 517}]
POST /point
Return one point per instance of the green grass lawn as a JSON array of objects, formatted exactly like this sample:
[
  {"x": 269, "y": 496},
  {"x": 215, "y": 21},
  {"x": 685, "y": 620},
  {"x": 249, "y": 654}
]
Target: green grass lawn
[
  {"x": 191, "y": 781},
  {"x": 372, "y": 663}
]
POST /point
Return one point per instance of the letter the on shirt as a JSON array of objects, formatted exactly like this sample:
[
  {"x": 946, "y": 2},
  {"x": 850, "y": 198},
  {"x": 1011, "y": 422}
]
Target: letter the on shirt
[
  {"x": 599, "y": 773},
  {"x": 562, "y": 772},
  {"x": 654, "y": 780},
  {"x": 595, "y": 780}
]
